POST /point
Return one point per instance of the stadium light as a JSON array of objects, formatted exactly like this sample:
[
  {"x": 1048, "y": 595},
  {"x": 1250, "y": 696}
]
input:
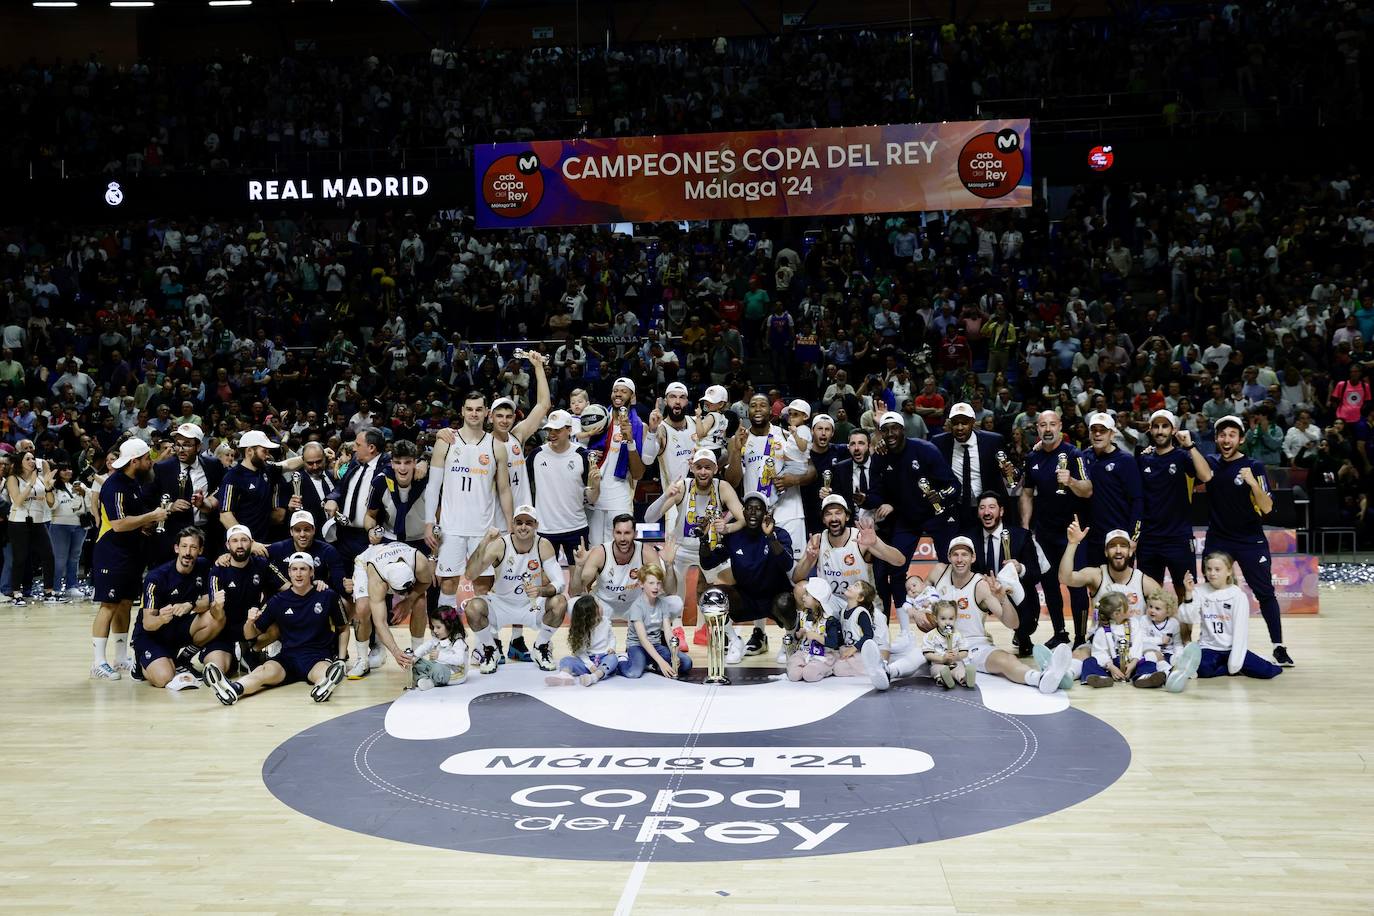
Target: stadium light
[
  {"x": 231, "y": 2},
  {"x": 130, "y": 4},
  {"x": 54, "y": 4}
]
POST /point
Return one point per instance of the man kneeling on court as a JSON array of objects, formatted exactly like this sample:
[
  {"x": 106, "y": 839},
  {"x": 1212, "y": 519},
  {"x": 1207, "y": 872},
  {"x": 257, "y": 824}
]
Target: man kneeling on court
[
  {"x": 313, "y": 633},
  {"x": 394, "y": 568},
  {"x": 177, "y": 613},
  {"x": 974, "y": 596}
]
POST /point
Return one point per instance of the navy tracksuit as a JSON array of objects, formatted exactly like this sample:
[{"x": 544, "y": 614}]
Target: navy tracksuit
[
  {"x": 1235, "y": 526},
  {"x": 1050, "y": 517},
  {"x": 1166, "y": 532}
]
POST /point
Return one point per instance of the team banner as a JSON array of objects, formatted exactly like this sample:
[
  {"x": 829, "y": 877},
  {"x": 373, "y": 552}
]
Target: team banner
[{"x": 956, "y": 165}]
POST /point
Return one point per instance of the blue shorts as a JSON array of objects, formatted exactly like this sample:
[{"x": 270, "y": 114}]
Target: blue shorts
[
  {"x": 568, "y": 542},
  {"x": 121, "y": 582},
  {"x": 165, "y": 643},
  {"x": 297, "y": 664}
]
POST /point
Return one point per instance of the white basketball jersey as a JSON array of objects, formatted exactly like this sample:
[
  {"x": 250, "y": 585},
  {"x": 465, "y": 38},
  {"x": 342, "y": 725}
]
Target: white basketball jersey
[
  {"x": 715, "y": 438},
  {"x": 839, "y": 566},
  {"x": 794, "y": 461},
  {"x": 970, "y": 623},
  {"x": 519, "y": 480},
  {"x": 849, "y": 624},
  {"x": 1133, "y": 589},
  {"x": 515, "y": 566},
  {"x": 763, "y": 460},
  {"x": 676, "y": 456},
  {"x": 613, "y": 582},
  {"x": 468, "y": 501}
]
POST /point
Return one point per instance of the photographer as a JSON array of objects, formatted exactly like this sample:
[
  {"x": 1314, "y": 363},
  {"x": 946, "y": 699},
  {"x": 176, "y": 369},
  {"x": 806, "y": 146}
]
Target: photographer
[{"x": 1263, "y": 438}]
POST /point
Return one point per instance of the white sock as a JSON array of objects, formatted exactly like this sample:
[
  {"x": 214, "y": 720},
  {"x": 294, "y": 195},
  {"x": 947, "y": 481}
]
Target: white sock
[
  {"x": 486, "y": 637},
  {"x": 98, "y": 645},
  {"x": 360, "y": 648},
  {"x": 1076, "y": 668},
  {"x": 121, "y": 641},
  {"x": 544, "y": 636},
  {"x": 1032, "y": 678},
  {"x": 416, "y": 642},
  {"x": 904, "y": 620},
  {"x": 732, "y": 636},
  {"x": 448, "y": 600}
]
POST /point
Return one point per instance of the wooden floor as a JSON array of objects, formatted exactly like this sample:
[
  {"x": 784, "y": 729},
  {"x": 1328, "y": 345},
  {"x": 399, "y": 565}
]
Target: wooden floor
[{"x": 1242, "y": 796}]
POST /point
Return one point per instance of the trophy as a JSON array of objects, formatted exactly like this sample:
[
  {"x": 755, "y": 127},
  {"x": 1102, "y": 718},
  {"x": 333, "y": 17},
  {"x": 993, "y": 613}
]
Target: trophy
[
  {"x": 931, "y": 496},
  {"x": 296, "y": 485},
  {"x": 715, "y": 607},
  {"x": 1062, "y": 466},
  {"x": 594, "y": 456},
  {"x": 184, "y": 482},
  {"x": 1008, "y": 469},
  {"x": 947, "y": 631},
  {"x": 162, "y": 524},
  {"x": 528, "y": 585},
  {"x": 1123, "y": 646},
  {"x": 707, "y": 525},
  {"x": 826, "y": 477},
  {"x": 520, "y": 353},
  {"x": 770, "y": 470},
  {"x": 438, "y": 539}
]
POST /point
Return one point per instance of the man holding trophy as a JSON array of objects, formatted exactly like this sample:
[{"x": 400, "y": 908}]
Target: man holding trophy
[{"x": 186, "y": 483}]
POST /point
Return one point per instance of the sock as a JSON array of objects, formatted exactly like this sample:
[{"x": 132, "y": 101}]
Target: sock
[
  {"x": 448, "y": 600},
  {"x": 1076, "y": 668},
  {"x": 415, "y": 642},
  {"x": 121, "y": 641},
  {"x": 486, "y": 637},
  {"x": 360, "y": 648},
  {"x": 732, "y": 636},
  {"x": 1032, "y": 678},
  {"x": 544, "y": 636},
  {"x": 98, "y": 645},
  {"x": 904, "y": 619}
]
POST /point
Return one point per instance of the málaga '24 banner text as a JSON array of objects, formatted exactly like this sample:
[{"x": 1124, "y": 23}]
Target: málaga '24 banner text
[{"x": 956, "y": 165}]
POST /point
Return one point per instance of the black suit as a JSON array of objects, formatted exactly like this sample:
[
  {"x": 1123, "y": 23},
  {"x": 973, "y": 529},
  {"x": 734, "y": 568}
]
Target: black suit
[
  {"x": 989, "y": 474},
  {"x": 311, "y": 501},
  {"x": 350, "y": 540},
  {"x": 1023, "y": 551},
  {"x": 167, "y": 481}
]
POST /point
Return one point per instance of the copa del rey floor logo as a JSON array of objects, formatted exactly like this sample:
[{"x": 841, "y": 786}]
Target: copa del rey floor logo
[{"x": 762, "y": 769}]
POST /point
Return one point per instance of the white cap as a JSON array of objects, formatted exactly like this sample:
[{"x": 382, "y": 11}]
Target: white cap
[
  {"x": 330, "y": 531},
  {"x": 189, "y": 431},
  {"x": 238, "y": 529},
  {"x": 254, "y": 438},
  {"x": 819, "y": 589},
  {"x": 834, "y": 499},
  {"x": 758, "y": 496},
  {"x": 675, "y": 388},
  {"x": 1116, "y": 534},
  {"x": 891, "y": 417},
  {"x": 559, "y": 419},
  {"x": 1101, "y": 419},
  {"x": 962, "y": 409},
  {"x": 1229, "y": 420},
  {"x": 301, "y": 517},
  {"x": 960, "y": 541},
  {"x": 1165, "y": 415},
  {"x": 398, "y": 575},
  {"x": 130, "y": 450},
  {"x": 716, "y": 394},
  {"x": 704, "y": 454},
  {"x": 822, "y": 418},
  {"x": 526, "y": 509},
  {"x": 800, "y": 406},
  {"x": 503, "y": 402},
  {"x": 623, "y": 382},
  {"x": 300, "y": 557}
]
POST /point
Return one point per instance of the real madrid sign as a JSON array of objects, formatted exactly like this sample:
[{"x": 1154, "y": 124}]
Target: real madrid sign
[
  {"x": 683, "y": 772},
  {"x": 337, "y": 188}
]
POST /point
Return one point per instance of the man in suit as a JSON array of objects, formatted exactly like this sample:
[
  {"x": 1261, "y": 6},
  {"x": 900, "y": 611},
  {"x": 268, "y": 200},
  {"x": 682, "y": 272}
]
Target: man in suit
[
  {"x": 347, "y": 503},
  {"x": 903, "y": 510},
  {"x": 972, "y": 456},
  {"x": 826, "y": 455},
  {"x": 991, "y": 556},
  {"x": 316, "y": 482},
  {"x": 190, "y": 482}
]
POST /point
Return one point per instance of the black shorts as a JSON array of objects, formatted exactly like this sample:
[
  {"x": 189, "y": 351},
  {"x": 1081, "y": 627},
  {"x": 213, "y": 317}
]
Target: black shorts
[
  {"x": 297, "y": 664},
  {"x": 758, "y": 608},
  {"x": 568, "y": 542},
  {"x": 164, "y": 643}
]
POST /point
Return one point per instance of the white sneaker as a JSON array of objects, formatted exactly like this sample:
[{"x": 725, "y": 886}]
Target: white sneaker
[
  {"x": 359, "y": 668},
  {"x": 75, "y": 593},
  {"x": 782, "y": 655},
  {"x": 332, "y": 678},
  {"x": 183, "y": 681},
  {"x": 103, "y": 672},
  {"x": 734, "y": 653},
  {"x": 873, "y": 664},
  {"x": 125, "y": 664},
  {"x": 561, "y": 679},
  {"x": 376, "y": 657},
  {"x": 1060, "y": 660}
]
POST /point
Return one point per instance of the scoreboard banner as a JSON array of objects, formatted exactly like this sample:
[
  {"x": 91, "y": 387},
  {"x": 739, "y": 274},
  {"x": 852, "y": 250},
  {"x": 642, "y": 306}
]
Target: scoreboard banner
[{"x": 955, "y": 165}]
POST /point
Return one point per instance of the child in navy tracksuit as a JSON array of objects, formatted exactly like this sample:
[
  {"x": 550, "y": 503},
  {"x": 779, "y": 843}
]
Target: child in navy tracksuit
[{"x": 1220, "y": 613}]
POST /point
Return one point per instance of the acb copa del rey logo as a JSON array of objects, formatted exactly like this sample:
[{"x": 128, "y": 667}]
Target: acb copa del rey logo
[
  {"x": 992, "y": 163},
  {"x": 513, "y": 185}
]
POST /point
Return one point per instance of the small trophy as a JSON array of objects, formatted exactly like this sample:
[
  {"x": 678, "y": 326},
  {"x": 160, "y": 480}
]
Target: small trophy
[
  {"x": 1008, "y": 469},
  {"x": 1062, "y": 466},
  {"x": 595, "y": 456},
  {"x": 528, "y": 580},
  {"x": 520, "y": 353},
  {"x": 296, "y": 484},
  {"x": 1006, "y": 546},
  {"x": 931, "y": 496},
  {"x": 826, "y": 478},
  {"x": 1123, "y": 646},
  {"x": 439, "y": 539},
  {"x": 162, "y": 523},
  {"x": 715, "y": 607},
  {"x": 184, "y": 482}
]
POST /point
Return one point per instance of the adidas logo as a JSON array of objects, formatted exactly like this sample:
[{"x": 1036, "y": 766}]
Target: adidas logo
[{"x": 290, "y": 612}]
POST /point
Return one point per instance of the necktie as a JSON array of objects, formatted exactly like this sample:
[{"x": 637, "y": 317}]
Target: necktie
[
  {"x": 968, "y": 473},
  {"x": 353, "y": 490},
  {"x": 991, "y": 553},
  {"x": 863, "y": 478}
]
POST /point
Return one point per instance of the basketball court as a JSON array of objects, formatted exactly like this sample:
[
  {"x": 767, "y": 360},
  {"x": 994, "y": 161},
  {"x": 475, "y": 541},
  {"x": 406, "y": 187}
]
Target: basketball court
[{"x": 655, "y": 797}]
